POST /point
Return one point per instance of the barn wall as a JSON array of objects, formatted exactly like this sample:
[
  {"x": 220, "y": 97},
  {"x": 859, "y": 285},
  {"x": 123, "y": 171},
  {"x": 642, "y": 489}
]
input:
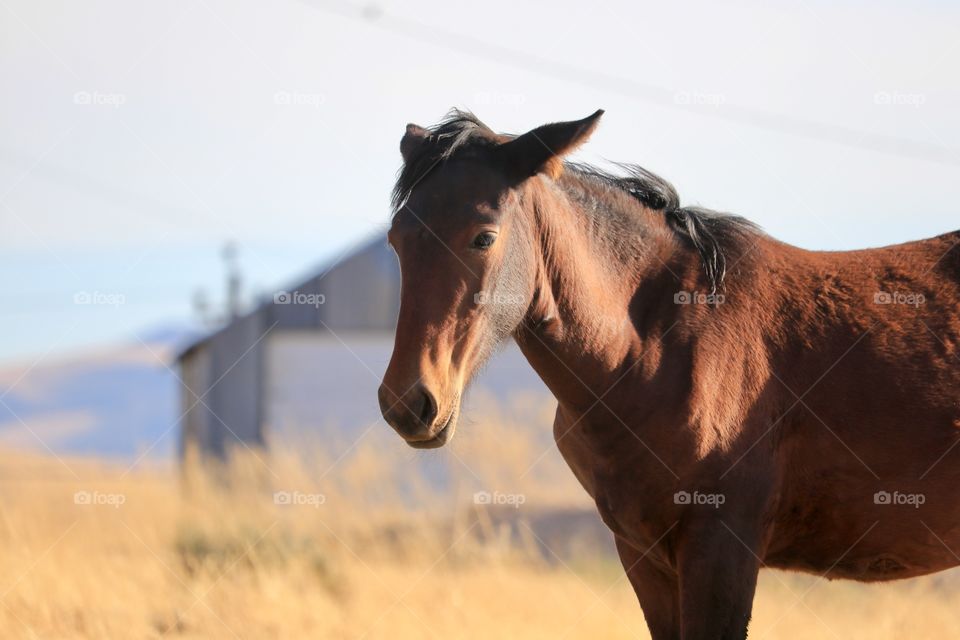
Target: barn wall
[
  {"x": 233, "y": 390},
  {"x": 195, "y": 419},
  {"x": 313, "y": 381}
]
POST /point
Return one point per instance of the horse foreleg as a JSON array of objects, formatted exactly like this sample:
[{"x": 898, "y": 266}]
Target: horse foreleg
[
  {"x": 656, "y": 589},
  {"x": 718, "y": 570}
]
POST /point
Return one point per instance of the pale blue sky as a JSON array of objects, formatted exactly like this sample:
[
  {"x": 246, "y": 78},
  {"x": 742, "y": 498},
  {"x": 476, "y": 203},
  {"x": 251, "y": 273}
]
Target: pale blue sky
[{"x": 136, "y": 137}]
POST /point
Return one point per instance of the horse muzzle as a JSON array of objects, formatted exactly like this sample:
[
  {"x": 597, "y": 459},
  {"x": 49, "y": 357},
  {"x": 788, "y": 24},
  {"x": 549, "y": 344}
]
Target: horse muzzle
[{"x": 417, "y": 417}]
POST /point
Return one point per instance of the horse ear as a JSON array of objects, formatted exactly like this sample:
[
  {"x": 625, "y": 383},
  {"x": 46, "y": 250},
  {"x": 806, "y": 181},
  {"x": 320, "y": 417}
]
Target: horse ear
[
  {"x": 541, "y": 150},
  {"x": 412, "y": 141}
]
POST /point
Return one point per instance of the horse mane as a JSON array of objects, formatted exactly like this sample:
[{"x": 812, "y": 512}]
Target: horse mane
[{"x": 709, "y": 232}]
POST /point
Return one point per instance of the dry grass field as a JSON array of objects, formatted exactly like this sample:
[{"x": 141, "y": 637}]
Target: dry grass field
[{"x": 281, "y": 548}]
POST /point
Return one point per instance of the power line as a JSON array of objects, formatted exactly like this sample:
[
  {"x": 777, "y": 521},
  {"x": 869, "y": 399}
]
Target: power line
[
  {"x": 125, "y": 199},
  {"x": 634, "y": 89}
]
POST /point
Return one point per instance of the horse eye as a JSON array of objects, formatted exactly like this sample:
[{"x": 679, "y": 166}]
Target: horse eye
[{"x": 484, "y": 240}]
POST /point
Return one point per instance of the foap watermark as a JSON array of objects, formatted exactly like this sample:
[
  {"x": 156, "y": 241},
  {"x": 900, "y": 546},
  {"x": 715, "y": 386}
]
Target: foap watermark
[
  {"x": 899, "y": 99},
  {"x": 895, "y": 498},
  {"x": 698, "y": 297},
  {"x": 99, "y": 99},
  {"x": 697, "y": 498},
  {"x": 699, "y": 98},
  {"x": 298, "y": 297},
  {"x": 298, "y": 99},
  {"x": 101, "y": 298},
  {"x": 298, "y": 499},
  {"x": 497, "y": 498},
  {"x": 494, "y": 297},
  {"x": 98, "y": 499},
  {"x": 908, "y": 298}
]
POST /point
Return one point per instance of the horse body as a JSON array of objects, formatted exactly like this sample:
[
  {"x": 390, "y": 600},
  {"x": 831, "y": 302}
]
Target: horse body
[
  {"x": 824, "y": 428},
  {"x": 880, "y": 417},
  {"x": 803, "y": 415}
]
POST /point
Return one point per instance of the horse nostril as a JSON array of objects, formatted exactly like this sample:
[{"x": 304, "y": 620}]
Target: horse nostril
[
  {"x": 411, "y": 415},
  {"x": 428, "y": 407}
]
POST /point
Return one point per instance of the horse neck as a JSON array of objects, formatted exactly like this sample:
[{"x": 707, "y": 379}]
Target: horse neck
[{"x": 595, "y": 246}]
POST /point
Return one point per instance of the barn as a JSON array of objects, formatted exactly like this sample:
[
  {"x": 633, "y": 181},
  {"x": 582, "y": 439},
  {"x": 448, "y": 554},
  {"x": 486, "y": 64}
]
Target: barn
[{"x": 309, "y": 358}]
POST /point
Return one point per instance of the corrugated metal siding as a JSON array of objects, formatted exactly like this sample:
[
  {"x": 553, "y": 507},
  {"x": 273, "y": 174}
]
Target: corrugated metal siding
[
  {"x": 313, "y": 381},
  {"x": 234, "y": 393},
  {"x": 194, "y": 421}
]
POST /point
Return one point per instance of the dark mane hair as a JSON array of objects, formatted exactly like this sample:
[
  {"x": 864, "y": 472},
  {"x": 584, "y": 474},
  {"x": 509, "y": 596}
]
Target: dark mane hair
[
  {"x": 709, "y": 232},
  {"x": 458, "y": 131}
]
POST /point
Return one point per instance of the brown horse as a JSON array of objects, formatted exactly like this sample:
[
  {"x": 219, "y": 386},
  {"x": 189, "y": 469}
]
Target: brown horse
[{"x": 729, "y": 401}]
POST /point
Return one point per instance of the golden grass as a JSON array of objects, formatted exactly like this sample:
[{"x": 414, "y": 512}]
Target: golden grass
[{"x": 384, "y": 556}]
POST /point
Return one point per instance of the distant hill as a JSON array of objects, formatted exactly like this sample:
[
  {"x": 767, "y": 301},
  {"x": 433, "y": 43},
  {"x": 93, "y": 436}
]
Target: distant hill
[{"x": 118, "y": 401}]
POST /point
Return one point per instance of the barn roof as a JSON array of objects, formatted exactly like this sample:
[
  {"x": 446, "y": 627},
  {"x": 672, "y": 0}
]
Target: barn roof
[{"x": 358, "y": 291}]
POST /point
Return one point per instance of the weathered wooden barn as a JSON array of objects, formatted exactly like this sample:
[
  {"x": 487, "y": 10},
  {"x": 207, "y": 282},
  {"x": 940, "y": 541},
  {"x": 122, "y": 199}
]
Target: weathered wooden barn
[{"x": 309, "y": 358}]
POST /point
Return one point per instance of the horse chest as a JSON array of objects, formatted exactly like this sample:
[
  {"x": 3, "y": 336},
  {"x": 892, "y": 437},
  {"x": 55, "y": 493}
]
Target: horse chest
[{"x": 628, "y": 492}]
